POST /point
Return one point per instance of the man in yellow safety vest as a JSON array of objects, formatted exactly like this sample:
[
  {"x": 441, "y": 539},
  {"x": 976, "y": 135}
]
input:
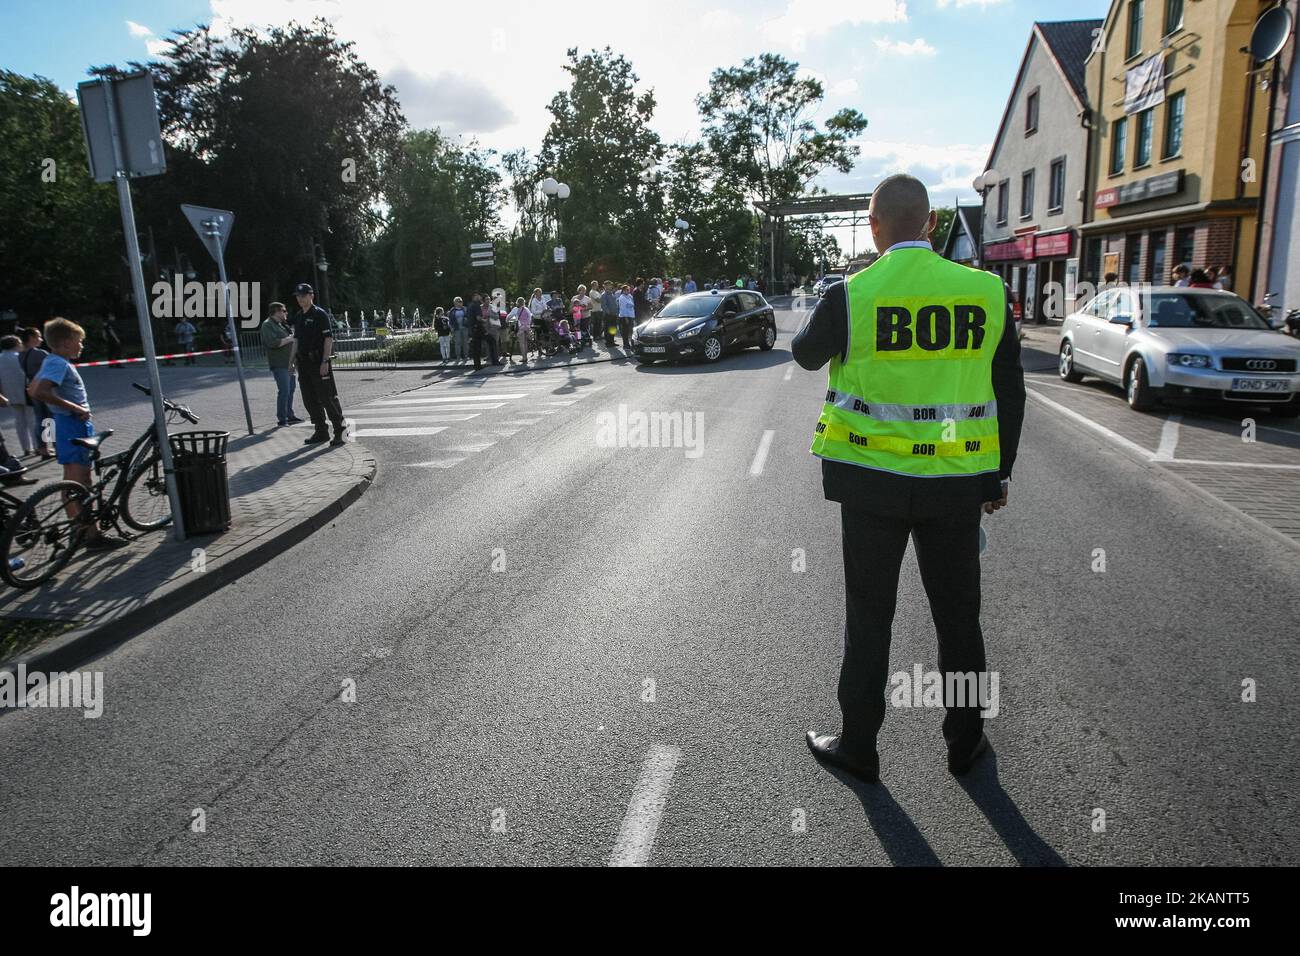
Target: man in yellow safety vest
[{"x": 918, "y": 433}]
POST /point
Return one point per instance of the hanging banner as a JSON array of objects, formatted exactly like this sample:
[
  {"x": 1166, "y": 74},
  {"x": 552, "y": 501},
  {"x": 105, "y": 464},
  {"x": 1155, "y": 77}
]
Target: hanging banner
[{"x": 1144, "y": 85}]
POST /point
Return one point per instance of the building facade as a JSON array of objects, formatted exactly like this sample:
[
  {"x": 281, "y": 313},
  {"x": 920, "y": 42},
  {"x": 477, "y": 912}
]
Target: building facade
[
  {"x": 1033, "y": 211},
  {"x": 1178, "y": 136},
  {"x": 1278, "y": 271}
]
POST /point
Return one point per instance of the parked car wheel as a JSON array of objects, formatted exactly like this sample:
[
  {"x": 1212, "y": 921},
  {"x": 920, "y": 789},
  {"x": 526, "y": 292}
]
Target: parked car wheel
[
  {"x": 1065, "y": 364},
  {"x": 1138, "y": 387}
]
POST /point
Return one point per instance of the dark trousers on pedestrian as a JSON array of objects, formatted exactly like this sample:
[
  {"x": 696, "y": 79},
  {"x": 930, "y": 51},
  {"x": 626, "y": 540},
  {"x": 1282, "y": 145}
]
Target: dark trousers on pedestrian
[
  {"x": 320, "y": 398},
  {"x": 945, "y": 534},
  {"x": 476, "y": 346},
  {"x": 625, "y": 327}
]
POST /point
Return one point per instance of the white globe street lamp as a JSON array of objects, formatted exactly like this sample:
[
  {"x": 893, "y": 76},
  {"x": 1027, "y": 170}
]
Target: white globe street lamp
[
  {"x": 562, "y": 191},
  {"x": 550, "y": 186}
]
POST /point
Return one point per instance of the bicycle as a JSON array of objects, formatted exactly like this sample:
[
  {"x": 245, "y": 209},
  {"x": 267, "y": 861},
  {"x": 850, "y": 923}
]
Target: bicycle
[{"x": 43, "y": 536}]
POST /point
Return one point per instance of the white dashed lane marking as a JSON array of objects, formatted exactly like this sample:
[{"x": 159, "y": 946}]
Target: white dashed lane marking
[
  {"x": 636, "y": 837},
  {"x": 760, "y": 456}
]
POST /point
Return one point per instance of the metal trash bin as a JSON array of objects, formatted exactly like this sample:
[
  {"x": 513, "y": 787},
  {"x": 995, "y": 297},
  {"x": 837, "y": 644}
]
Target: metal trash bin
[{"x": 199, "y": 459}]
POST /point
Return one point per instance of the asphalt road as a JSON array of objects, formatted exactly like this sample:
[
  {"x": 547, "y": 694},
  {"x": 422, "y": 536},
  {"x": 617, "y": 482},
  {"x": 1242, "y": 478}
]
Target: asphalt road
[{"x": 567, "y": 653}]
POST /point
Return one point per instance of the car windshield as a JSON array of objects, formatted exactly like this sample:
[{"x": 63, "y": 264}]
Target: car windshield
[
  {"x": 1172, "y": 310},
  {"x": 690, "y": 307}
]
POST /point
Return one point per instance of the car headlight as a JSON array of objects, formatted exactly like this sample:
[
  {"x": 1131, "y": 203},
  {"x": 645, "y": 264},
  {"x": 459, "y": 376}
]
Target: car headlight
[
  {"x": 1189, "y": 360},
  {"x": 693, "y": 330}
]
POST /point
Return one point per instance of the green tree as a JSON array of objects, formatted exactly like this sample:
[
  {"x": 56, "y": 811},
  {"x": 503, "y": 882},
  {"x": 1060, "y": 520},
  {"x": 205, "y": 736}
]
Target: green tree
[
  {"x": 600, "y": 143},
  {"x": 442, "y": 197},
  {"x": 723, "y": 230},
  {"x": 945, "y": 216},
  {"x": 288, "y": 128},
  {"x": 757, "y": 123},
  {"x": 61, "y": 240}
]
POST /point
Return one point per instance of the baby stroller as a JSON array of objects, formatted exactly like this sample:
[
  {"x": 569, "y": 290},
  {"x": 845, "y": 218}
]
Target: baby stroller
[{"x": 557, "y": 334}]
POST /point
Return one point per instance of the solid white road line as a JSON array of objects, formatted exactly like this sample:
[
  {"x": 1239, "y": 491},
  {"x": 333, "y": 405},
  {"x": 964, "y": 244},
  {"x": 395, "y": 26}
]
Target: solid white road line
[
  {"x": 1070, "y": 413},
  {"x": 1234, "y": 464},
  {"x": 395, "y": 432},
  {"x": 636, "y": 837},
  {"x": 760, "y": 456},
  {"x": 1168, "y": 439},
  {"x": 398, "y": 407},
  {"x": 441, "y": 463},
  {"x": 789, "y": 373}
]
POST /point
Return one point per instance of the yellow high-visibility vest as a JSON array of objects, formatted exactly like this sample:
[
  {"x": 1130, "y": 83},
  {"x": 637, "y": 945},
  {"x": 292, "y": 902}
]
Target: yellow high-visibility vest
[{"x": 914, "y": 395}]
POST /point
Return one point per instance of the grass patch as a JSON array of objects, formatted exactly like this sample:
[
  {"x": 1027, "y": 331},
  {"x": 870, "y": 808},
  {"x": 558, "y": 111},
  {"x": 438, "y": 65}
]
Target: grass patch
[{"x": 20, "y": 634}]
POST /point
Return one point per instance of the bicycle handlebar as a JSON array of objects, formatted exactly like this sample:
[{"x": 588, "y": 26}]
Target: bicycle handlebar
[{"x": 181, "y": 410}]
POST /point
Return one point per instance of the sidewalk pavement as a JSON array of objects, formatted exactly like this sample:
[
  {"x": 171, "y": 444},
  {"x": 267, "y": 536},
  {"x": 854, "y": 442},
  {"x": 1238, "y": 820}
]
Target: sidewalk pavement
[{"x": 281, "y": 491}]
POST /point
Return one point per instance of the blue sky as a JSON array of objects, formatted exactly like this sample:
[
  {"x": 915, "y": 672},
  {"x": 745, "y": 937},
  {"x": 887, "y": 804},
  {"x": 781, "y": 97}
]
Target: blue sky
[{"x": 931, "y": 76}]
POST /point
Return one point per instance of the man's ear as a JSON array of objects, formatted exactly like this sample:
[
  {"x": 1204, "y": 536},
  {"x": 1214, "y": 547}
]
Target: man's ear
[{"x": 931, "y": 223}]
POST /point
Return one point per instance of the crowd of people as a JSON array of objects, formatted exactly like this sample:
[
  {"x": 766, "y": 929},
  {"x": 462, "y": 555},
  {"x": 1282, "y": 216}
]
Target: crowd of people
[{"x": 543, "y": 323}]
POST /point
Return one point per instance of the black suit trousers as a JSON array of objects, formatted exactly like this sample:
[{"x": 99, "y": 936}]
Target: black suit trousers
[{"x": 944, "y": 529}]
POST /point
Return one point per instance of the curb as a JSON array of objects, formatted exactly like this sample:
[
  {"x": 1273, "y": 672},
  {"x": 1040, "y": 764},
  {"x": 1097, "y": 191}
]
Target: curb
[{"x": 84, "y": 644}]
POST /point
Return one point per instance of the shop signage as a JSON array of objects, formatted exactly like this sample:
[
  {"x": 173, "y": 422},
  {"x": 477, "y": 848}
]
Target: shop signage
[{"x": 1166, "y": 184}]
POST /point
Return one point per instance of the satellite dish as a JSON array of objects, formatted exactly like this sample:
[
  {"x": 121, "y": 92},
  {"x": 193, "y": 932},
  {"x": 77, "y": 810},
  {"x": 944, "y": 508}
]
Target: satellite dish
[{"x": 1270, "y": 34}]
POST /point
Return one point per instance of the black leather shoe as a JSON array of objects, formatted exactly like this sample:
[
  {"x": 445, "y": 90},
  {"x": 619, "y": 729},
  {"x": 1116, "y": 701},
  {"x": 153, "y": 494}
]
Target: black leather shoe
[
  {"x": 316, "y": 438},
  {"x": 338, "y": 441},
  {"x": 959, "y": 766},
  {"x": 827, "y": 747}
]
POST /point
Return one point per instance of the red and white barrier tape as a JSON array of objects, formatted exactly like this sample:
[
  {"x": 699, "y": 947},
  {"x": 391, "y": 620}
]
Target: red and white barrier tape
[{"x": 160, "y": 358}]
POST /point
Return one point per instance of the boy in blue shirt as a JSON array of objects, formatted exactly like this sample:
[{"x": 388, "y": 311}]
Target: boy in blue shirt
[{"x": 59, "y": 386}]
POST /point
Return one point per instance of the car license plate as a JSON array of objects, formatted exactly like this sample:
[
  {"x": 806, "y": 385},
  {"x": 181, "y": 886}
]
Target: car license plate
[
  {"x": 1260, "y": 385},
  {"x": 656, "y": 348}
]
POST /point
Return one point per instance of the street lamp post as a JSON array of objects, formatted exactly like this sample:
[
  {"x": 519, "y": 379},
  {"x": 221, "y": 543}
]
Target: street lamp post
[
  {"x": 983, "y": 185},
  {"x": 557, "y": 192},
  {"x": 322, "y": 265}
]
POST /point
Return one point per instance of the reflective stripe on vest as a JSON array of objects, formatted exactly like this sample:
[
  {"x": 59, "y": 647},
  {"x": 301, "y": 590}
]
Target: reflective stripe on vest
[
  {"x": 911, "y": 413},
  {"x": 914, "y": 394}
]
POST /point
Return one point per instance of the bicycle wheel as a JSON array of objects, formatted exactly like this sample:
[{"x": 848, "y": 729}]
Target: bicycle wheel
[
  {"x": 145, "y": 505},
  {"x": 41, "y": 537}
]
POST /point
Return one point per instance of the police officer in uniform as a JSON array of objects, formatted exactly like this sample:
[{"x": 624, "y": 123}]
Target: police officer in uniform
[
  {"x": 917, "y": 435},
  {"x": 314, "y": 331}
]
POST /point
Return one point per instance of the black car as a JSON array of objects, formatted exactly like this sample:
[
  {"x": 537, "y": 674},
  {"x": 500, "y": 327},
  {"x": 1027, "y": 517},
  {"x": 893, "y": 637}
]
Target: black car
[{"x": 706, "y": 324}]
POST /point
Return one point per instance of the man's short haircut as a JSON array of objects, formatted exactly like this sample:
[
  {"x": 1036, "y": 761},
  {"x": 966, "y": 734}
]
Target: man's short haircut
[
  {"x": 59, "y": 332},
  {"x": 9, "y": 342},
  {"x": 901, "y": 203},
  {"x": 31, "y": 332}
]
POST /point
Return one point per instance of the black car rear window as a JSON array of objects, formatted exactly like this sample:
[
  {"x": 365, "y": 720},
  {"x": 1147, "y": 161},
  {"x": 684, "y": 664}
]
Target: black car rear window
[{"x": 690, "y": 307}]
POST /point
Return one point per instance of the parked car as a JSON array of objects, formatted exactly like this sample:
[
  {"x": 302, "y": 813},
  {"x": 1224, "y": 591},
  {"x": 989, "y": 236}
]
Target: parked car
[
  {"x": 704, "y": 325},
  {"x": 824, "y": 283},
  {"x": 1167, "y": 342}
]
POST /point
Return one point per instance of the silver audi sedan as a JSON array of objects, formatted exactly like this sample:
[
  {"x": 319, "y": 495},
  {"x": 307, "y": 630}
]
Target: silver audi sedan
[{"x": 1167, "y": 342}]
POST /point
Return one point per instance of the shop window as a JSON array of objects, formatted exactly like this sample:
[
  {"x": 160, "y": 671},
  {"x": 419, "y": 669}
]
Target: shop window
[
  {"x": 1173, "y": 16},
  {"x": 1118, "y": 145},
  {"x": 1134, "y": 29},
  {"x": 1146, "y": 124},
  {"x": 1159, "y": 271},
  {"x": 1133, "y": 250},
  {"x": 1056, "y": 188},
  {"x": 1174, "y": 109},
  {"x": 1185, "y": 246}
]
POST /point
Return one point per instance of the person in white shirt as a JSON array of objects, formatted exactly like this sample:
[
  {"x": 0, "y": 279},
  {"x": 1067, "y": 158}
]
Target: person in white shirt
[
  {"x": 524, "y": 322},
  {"x": 1182, "y": 276},
  {"x": 13, "y": 392}
]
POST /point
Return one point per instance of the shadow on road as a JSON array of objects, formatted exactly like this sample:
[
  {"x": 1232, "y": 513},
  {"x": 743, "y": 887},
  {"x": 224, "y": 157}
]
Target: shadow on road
[
  {"x": 728, "y": 363},
  {"x": 899, "y": 837},
  {"x": 982, "y": 786}
]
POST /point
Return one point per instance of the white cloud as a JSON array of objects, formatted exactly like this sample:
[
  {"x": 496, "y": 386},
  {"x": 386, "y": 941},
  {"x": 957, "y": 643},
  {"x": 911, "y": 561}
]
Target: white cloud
[
  {"x": 945, "y": 168},
  {"x": 917, "y": 47},
  {"x": 804, "y": 19},
  {"x": 969, "y": 3},
  {"x": 456, "y": 102},
  {"x": 842, "y": 88},
  {"x": 138, "y": 29}
]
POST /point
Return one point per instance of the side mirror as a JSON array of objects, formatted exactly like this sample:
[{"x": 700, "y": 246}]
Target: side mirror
[{"x": 1122, "y": 320}]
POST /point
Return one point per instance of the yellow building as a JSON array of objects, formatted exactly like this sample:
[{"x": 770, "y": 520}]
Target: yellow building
[{"x": 1178, "y": 136}]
